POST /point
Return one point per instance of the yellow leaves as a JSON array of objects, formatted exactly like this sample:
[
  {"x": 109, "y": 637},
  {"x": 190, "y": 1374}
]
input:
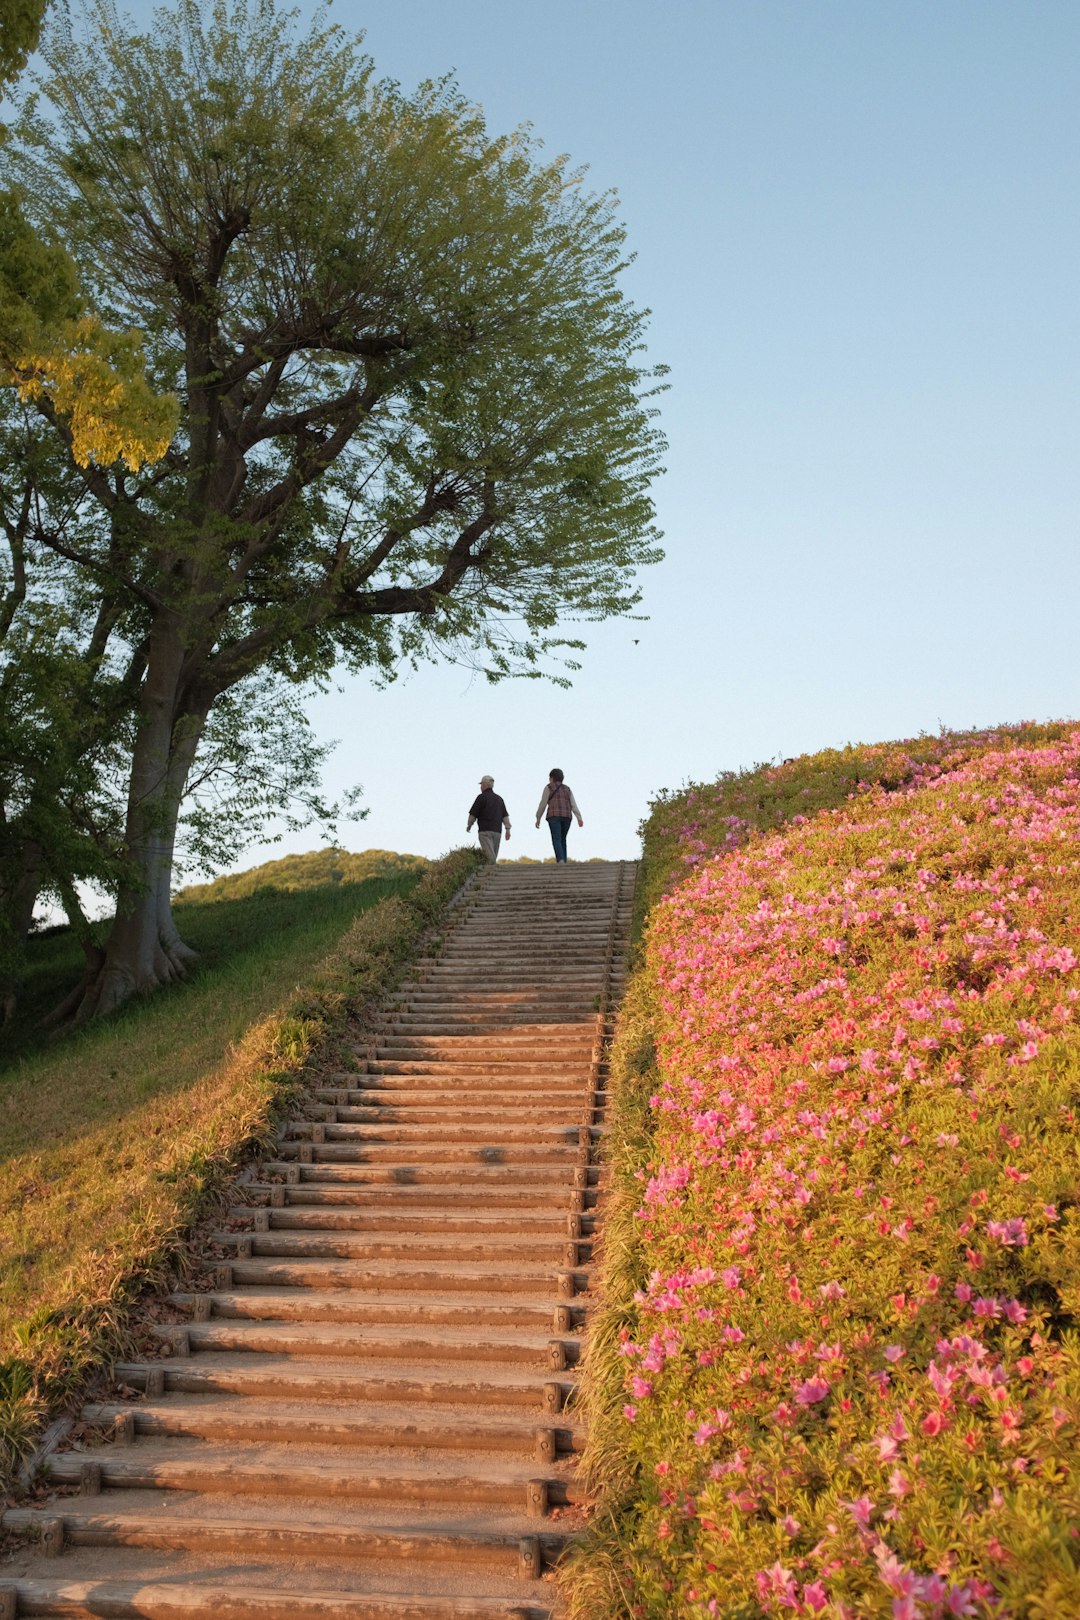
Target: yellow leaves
[{"x": 94, "y": 381}]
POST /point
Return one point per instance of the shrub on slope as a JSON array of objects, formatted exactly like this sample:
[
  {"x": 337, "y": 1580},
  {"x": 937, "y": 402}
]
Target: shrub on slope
[
  {"x": 705, "y": 819},
  {"x": 852, "y": 1381}
]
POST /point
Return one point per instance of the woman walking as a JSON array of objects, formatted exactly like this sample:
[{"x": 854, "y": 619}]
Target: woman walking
[{"x": 558, "y": 801}]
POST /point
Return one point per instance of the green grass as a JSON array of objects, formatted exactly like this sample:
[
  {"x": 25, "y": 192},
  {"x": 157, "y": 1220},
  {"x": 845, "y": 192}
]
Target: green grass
[
  {"x": 314, "y": 870},
  {"x": 240, "y": 942},
  {"x": 78, "y": 1116}
]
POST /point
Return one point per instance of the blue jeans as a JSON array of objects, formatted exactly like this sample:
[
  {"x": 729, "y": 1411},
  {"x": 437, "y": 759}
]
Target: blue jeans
[{"x": 559, "y": 826}]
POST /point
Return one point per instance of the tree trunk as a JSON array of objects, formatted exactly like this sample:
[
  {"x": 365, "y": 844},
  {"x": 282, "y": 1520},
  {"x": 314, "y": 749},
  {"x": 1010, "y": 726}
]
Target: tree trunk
[
  {"x": 94, "y": 956},
  {"x": 17, "y": 900},
  {"x": 144, "y": 950}
]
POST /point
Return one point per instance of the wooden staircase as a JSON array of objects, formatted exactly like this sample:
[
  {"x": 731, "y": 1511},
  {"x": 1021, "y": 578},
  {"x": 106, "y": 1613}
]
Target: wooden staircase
[{"x": 368, "y": 1409}]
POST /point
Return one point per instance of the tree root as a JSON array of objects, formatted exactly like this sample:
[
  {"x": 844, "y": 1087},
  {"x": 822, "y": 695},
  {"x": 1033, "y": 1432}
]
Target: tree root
[{"x": 107, "y": 984}]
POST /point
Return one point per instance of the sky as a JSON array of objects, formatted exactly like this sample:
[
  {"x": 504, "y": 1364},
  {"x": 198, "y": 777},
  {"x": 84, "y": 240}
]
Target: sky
[{"x": 855, "y": 224}]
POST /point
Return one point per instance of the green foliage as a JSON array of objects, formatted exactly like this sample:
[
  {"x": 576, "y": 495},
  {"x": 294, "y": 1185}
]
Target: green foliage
[
  {"x": 173, "y": 1094},
  {"x": 89, "y": 379},
  {"x": 21, "y": 1407},
  {"x": 243, "y": 942},
  {"x": 295, "y": 872},
  {"x": 20, "y": 29},
  {"x": 66, "y": 725},
  {"x": 63, "y": 714},
  {"x": 53, "y": 347}
]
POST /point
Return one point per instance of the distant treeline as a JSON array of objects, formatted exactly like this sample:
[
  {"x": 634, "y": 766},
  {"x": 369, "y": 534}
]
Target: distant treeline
[{"x": 311, "y": 871}]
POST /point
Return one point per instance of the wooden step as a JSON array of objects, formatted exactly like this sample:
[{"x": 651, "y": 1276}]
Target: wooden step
[
  {"x": 137, "y": 1600},
  {"x": 427, "y": 1197},
  {"x": 546, "y": 1393},
  {"x": 336, "y": 1342},
  {"x": 204, "y": 1470},
  {"x": 425, "y": 1156},
  {"x": 566, "y": 1043},
  {"x": 229, "y": 1420},
  {"x": 519, "y": 1113},
  {"x": 279, "y": 1301},
  {"x": 306, "y": 1271},
  {"x": 543, "y": 1220},
  {"x": 556, "y": 1086},
  {"x": 531, "y": 1133},
  {"x": 540, "y": 1254},
  {"x": 370, "y": 1091},
  {"x": 249, "y": 1538}
]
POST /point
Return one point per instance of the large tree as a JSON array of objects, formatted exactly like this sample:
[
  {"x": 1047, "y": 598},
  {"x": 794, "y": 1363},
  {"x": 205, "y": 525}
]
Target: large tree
[{"x": 414, "y": 413}]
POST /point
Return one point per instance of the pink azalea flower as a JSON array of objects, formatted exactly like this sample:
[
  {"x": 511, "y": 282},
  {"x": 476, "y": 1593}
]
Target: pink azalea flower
[
  {"x": 812, "y": 1391},
  {"x": 861, "y": 1510},
  {"x": 1011, "y": 1234}
]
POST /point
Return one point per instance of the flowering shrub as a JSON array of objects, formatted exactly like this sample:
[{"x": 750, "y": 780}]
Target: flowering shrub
[
  {"x": 851, "y": 1382},
  {"x": 704, "y": 819}
]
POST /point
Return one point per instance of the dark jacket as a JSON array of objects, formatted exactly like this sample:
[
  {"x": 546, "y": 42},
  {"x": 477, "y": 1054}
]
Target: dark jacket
[{"x": 489, "y": 810}]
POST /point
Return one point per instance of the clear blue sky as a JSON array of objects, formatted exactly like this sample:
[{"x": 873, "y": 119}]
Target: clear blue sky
[{"x": 856, "y": 224}]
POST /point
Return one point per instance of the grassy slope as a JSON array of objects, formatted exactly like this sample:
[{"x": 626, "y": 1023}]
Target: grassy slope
[
  {"x": 315, "y": 869},
  {"x": 228, "y": 922},
  {"x": 111, "y": 1141},
  {"x": 87, "y": 1115},
  {"x": 684, "y": 828}
]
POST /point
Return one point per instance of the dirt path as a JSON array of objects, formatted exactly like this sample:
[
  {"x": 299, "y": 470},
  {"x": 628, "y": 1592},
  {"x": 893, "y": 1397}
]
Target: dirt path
[{"x": 369, "y": 1413}]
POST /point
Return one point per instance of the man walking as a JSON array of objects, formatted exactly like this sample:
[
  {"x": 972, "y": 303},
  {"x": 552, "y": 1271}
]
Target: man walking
[
  {"x": 558, "y": 801},
  {"x": 490, "y": 811}
]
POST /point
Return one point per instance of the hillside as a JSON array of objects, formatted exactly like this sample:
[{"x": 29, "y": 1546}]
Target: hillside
[
  {"x": 311, "y": 871},
  {"x": 838, "y": 1368}
]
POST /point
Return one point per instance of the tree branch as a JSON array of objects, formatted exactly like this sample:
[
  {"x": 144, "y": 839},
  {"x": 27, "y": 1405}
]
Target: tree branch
[
  {"x": 92, "y": 475},
  {"x": 398, "y": 599},
  {"x": 16, "y": 535},
  {"x": 233, "y": 663},
  {"x": 324, "y": 336},
  {"x": 314, "y": 455},
  {"x": 294, "y": 423},
  {"x": 106, "y": 570}
]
